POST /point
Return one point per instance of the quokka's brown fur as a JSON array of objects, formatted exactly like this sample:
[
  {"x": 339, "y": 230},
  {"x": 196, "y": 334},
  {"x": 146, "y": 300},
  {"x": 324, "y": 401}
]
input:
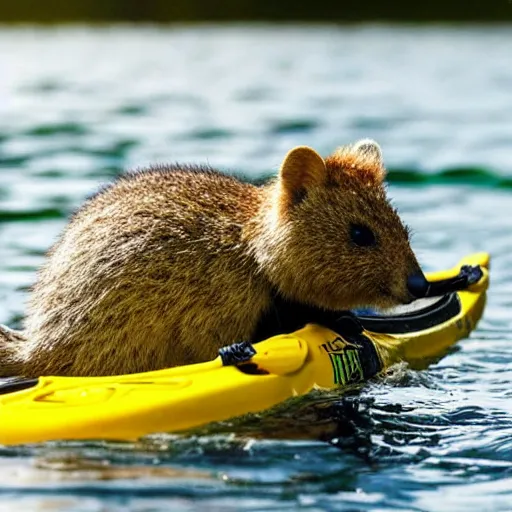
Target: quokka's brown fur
[{"x": 169, "y": 264}]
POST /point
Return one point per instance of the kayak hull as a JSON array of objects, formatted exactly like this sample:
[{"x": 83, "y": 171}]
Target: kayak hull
[{"x": 128, "y": 407}]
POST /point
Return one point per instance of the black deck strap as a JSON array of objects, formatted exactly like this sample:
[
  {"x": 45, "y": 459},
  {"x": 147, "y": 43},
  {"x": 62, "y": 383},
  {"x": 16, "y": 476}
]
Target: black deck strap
[
  {"x": 351, "y": 330},
  {"x": 370, "y": 359},
  {"x": 237, "y": 353},
  {"x": 467, "y": 276},
  {"x": 13, "y": 384}
]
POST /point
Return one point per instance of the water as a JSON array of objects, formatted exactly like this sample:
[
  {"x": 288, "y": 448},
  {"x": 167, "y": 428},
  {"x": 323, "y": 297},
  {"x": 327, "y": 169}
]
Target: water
[{"x": 80, "y": 104}]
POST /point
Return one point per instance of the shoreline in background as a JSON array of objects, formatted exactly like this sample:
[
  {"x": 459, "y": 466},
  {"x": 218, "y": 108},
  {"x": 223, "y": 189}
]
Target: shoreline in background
[{"x": 163, "y": 11}]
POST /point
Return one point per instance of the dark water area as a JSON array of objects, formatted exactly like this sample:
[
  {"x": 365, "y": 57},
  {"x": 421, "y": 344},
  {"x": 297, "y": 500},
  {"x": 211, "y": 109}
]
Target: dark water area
[{"x": 80, "y": 105}]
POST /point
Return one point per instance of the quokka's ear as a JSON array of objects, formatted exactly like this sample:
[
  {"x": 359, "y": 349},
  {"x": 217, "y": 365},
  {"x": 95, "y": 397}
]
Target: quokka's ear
[
  {"x": 370, "y": 149},
  {"x": 370, "y": 154},
  {"x": 302, "y": 168}
]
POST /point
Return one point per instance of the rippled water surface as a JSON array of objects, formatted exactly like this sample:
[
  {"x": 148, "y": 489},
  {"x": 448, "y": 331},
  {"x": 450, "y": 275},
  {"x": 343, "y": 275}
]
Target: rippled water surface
[{"x": 79, "y": 105}]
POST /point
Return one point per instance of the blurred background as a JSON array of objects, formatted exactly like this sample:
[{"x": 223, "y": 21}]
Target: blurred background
[{"x": 236, "y": 84}]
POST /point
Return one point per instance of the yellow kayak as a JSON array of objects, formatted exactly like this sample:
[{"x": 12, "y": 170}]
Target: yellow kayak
[{"x": 244, "y": 378}]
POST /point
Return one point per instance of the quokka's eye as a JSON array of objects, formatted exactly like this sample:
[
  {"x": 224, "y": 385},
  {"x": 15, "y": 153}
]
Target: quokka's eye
[{"x": 362, "y": 235}]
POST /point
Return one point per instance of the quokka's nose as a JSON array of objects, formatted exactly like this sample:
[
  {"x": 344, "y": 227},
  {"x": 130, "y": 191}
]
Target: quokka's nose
[{"x": 417, "y": 285}]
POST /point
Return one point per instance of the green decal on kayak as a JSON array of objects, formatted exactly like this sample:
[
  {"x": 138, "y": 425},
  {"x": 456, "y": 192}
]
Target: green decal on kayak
[{"x": 347, "y": 367}]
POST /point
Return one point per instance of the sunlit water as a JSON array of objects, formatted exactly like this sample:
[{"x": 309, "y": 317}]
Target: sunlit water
[{"x": 78, "y": 105}]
